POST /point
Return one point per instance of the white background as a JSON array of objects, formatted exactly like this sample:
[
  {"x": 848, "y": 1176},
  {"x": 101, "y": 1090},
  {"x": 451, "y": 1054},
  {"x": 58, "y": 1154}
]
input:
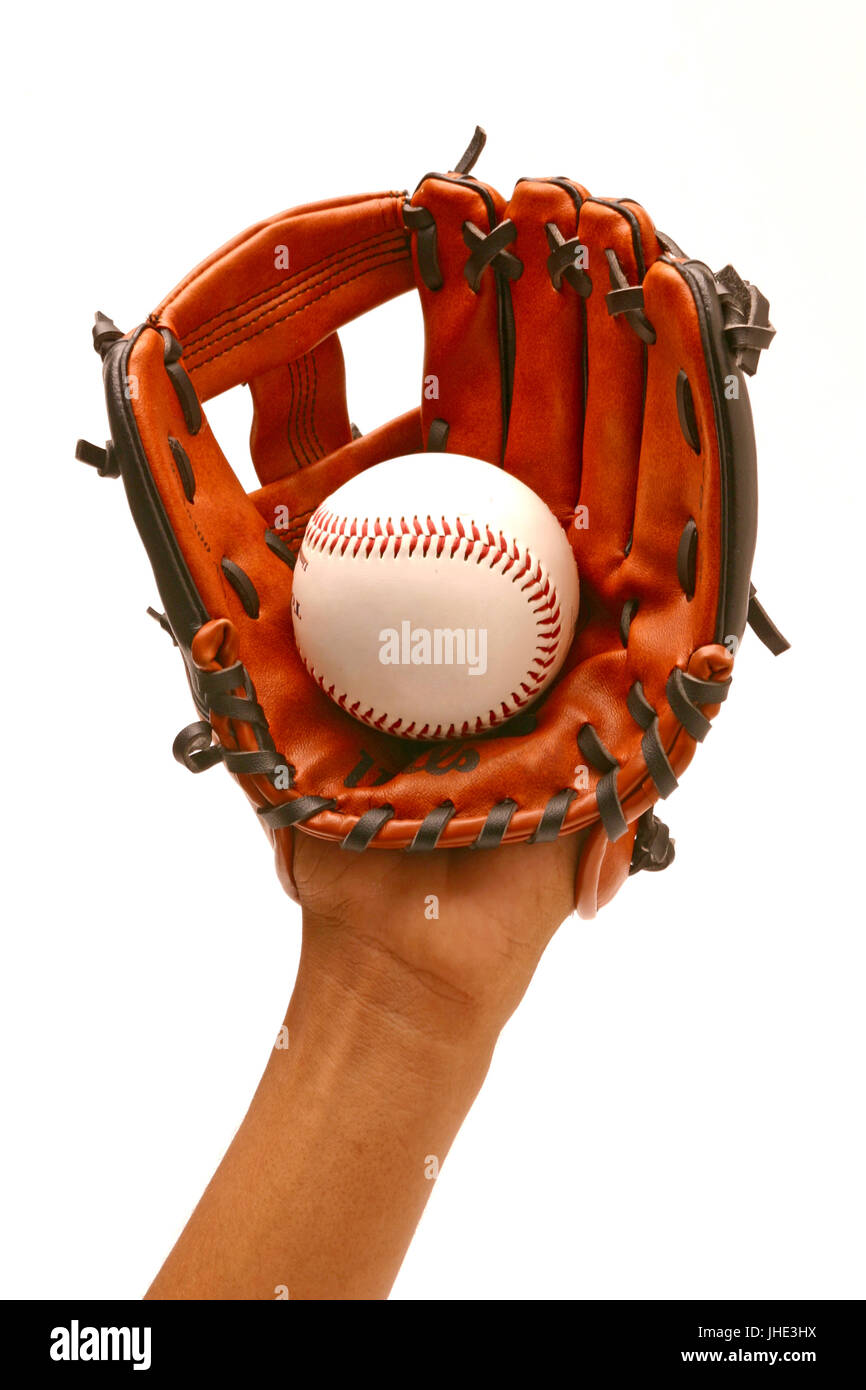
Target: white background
[{"x": 676, "y": 1111}]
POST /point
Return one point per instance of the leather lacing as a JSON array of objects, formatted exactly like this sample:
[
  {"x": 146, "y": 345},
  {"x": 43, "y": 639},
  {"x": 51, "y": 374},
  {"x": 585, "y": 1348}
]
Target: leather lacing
[
  {"x": 422, "y": 222},
  {"x": 490, "y": 250},
  {"x": 183, "y": 387},
  {"x": 562, "y": 262},
  {"x": 685, "y": 693},
  {"x": 747, "y": 319},
  {"x": 193, "y": 746},
  {"x": 653, "y": 847},
  {"x": 626, "y": 299}
]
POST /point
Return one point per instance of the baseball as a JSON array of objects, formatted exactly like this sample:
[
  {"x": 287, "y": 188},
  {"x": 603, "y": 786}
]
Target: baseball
[{"x": 434, "y": 596}]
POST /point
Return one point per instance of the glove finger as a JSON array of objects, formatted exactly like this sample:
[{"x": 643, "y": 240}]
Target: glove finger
[
  {"x": 300, "y": 414},
  {"x": 546, "y": 421},
  {"x": 620, "y": 243},
  {"x": 686, "y": 576},
  {"x": 462, "y": 399}
]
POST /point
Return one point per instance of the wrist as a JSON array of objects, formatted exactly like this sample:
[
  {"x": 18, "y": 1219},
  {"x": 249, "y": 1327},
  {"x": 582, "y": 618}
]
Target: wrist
[{"x": 351, "y": 985}]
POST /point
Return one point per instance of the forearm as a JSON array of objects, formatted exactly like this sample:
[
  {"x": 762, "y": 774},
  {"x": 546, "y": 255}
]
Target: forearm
[{"x": 323, "y": 1185}]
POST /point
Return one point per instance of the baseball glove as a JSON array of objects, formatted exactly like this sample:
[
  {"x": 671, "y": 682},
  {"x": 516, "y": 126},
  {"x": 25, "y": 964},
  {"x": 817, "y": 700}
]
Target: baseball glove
[{"x": 568, "y": 342}]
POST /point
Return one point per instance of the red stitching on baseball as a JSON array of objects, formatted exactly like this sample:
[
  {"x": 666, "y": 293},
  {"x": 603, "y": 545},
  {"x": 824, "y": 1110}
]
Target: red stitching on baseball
[{"x": 325, "y": 529}]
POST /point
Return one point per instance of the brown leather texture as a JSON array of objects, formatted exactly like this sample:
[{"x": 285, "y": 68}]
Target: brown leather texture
[{"x": 540, "y": 378}]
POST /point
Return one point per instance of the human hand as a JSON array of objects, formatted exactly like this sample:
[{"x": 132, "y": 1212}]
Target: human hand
[{"x": 453, "y": 927}]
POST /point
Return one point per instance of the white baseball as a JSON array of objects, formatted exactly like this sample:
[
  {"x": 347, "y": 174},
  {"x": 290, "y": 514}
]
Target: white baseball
[{"x": 434, "y": 597}]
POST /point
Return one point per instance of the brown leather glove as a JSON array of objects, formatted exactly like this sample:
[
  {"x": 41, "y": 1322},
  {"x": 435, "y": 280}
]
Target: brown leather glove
[{"x": 568, "y": 342}]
